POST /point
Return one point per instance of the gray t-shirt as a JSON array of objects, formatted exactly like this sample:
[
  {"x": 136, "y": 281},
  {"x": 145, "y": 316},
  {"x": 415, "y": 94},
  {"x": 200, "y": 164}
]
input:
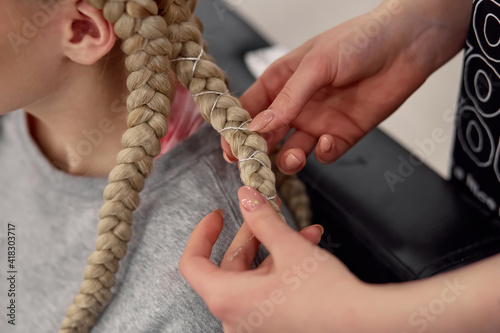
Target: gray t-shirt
[{"x": 55, "y": 216}]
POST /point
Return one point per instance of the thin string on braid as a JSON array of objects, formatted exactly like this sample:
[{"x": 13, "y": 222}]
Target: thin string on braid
[
  {"x": 219, "y": 95},
  {"x": 196, "y": 60},
  {"x": 144, "y": 41},
  {"x": 183, "y": 34},
  {"x": 225, "y": 114},
  {"x": 239, "y": 128},
  {"x": 207, "y": 83}
]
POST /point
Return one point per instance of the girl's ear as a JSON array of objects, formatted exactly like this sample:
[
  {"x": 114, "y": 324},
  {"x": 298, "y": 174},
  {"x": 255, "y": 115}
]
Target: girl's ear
[{"x": 88, "y": 36}]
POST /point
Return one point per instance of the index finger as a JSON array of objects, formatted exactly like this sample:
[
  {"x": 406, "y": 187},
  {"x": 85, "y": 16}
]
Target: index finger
[
  {"x": 241, "y": 253},
  {"x": 265, "y": 224},
  {"x": 195, "y": 265},
  {"x": 262, "y": 93}
]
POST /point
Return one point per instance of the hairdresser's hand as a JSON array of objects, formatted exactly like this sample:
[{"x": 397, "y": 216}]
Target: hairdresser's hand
[
  {"x": 298, "y": 288},
  {"x": 341, "y": 84},
  {"x": 301, "y": 288}
]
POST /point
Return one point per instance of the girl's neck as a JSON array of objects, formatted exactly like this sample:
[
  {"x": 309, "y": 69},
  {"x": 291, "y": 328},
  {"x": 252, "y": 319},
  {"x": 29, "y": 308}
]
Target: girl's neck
[
  {"x": 81, "y": 134},
  {"x": 78, "y": 125}
]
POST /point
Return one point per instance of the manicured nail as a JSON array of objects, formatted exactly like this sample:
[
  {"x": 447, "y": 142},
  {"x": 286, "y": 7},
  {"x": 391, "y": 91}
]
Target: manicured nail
[
  {"x": 320, "y": 228},
  {"x": 261, "y": 120},
  {"x": 220, "y": 212},
  {"x": 325, "y": 145},
  {"x": 278, "y": 201},
  {"x": 250, "y": 199},
  {"x": 225, "y": 157},
  {"x": 292, "y": 162}
]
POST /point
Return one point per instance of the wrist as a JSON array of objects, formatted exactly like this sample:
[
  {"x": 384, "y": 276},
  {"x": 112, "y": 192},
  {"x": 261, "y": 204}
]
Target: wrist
[
  {"x": 385, "y": 310},
  {"x": 460, "y": 301},
  {"x": 432, "y": 305},
  {"x": 364, "y": 310},
  {"x": 428, "y": 32}
]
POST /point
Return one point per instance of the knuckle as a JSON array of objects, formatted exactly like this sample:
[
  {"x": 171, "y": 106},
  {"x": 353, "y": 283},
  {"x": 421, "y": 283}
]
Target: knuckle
[
  {"x": 286, "y": 96},
  {"x": 326, "y": 158},
  {"x": 183, "y": 265},
  {"x": 321, "y": 63},
  {"x": 218, "y": 306}
]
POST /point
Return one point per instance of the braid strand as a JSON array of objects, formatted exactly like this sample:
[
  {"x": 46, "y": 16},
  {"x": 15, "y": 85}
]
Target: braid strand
[{"x": 148, "y": 52}]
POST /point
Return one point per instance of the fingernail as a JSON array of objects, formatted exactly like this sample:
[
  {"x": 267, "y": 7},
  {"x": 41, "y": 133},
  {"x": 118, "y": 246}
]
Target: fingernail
[
  {"x": 278, "y": 201},
  {"x": 250, "y": 199},
  {"x": 292, "y": 162},
  {"x": 220, "y": 212},
  {"x": 320, "y": 228},
  {"x": 325, "y": 145},
  {"x": 225, "y": 157},
  {"x": 261, "y": 120}
]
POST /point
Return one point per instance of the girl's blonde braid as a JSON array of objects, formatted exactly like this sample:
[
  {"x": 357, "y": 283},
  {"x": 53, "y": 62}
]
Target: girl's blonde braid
[
  {"x": 294, "y": 194},
  {"x": 292, "y": 190},
  {"x": 207, "y": 83},
  {"x": 144, "y": 41}
]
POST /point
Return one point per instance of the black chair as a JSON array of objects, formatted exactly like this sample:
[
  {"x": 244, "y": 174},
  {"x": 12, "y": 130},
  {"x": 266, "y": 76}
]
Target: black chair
[{"x": 418, "y": 227}]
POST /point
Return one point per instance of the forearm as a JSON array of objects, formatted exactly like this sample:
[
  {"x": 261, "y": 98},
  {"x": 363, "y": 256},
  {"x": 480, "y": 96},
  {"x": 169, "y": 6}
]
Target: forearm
[{"x": 461, "y": 301}]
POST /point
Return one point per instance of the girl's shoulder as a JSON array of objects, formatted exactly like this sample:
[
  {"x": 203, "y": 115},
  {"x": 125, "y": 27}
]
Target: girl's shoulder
[{"x": 186, "y": 184}]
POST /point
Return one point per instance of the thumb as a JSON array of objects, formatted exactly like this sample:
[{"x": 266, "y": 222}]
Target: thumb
[
  {"x": 265, "y": 224},
  {"x": 292, "y": 98},
  {"x": 313, "y": 233}
]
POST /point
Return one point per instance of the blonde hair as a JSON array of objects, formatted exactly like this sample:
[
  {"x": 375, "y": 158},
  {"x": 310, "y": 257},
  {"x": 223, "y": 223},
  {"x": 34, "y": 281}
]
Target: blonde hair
[{"x": 158, "y": 37}]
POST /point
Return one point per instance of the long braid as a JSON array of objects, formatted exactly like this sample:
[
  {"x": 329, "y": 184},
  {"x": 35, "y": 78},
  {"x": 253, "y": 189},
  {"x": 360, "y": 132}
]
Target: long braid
[
  {"x": 144, "y": 41},
  {"x": 294, "y": 194},
  {"x": 147, "y": 27},
  {"x": 207, "y": 83},
  {"x": 185, "y": 35},
  {"x": 182, "y": 32}
]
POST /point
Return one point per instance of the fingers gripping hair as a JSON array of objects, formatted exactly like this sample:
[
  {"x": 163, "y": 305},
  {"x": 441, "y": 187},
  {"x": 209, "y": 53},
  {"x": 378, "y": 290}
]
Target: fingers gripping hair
[
  {"x": 143, "y": 33},
  {"x": 207, "y": 83}
]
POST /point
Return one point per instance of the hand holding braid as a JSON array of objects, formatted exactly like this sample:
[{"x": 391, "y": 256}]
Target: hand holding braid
[{"x": 148, "y": 50}]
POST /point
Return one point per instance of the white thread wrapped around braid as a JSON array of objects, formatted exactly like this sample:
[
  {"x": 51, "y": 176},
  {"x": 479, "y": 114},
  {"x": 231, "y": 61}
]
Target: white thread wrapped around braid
[
  {"x": 291, "y": 188},
  {"x": 206, "y": 81},
  {"x": 255, "y": 168},
  {"x": 149, "y": 51}
]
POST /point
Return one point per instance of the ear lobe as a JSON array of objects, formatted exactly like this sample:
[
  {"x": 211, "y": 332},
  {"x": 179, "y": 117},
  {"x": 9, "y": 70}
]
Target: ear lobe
[{"x": 88, "y": 36}]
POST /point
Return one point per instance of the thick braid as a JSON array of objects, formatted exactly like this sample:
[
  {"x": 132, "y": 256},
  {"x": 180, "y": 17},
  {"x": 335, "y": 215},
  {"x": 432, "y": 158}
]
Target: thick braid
[
  {"x": 144, "y": 41},
  {"x": 294, "y": 194},
  {"x": 292, "y": 190},
  {"x": 207, "y": 83}
]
